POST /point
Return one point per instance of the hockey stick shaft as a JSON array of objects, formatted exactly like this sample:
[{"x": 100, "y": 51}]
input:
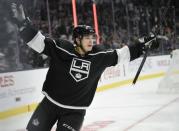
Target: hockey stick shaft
[{"x": 141, "y": 66}]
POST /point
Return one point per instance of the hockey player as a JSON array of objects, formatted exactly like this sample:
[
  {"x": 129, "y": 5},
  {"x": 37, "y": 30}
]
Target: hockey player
[{"x": 73, "y": 74}]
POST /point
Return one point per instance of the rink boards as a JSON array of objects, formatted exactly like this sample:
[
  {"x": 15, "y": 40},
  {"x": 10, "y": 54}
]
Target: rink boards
[{"x": 20, "y": 91}]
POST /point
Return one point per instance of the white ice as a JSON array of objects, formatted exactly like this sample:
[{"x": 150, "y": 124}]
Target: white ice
[{"x": 127, "y": 108}]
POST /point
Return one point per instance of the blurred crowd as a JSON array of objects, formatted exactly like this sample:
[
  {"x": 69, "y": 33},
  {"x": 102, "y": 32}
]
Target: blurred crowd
[{"x": 121, "y": 22}]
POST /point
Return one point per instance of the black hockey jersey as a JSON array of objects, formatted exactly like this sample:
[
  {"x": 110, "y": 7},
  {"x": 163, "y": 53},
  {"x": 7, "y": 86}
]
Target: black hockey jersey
[{"x": 72, "y": 80}]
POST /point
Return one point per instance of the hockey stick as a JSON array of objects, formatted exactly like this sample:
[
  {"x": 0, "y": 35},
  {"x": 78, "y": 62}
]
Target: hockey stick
[
  {"x": 143, "y": 61},
  {"x": 147, "y": 50},
  {"x": 145, "y": 56},
  {"x": 140, "y": 67}
]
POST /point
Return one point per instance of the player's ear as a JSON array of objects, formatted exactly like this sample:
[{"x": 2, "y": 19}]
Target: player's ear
[{"x": 77, "y": 40}]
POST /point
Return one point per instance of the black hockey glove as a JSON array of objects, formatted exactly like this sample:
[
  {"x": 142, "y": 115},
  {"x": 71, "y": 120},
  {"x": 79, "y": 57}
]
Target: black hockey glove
[
  {"x": 18, "y": 15},
  {"x": 148, "y": 42},
  {"x": 143, "y": 44},
  {"x": 26, "y": 28}
]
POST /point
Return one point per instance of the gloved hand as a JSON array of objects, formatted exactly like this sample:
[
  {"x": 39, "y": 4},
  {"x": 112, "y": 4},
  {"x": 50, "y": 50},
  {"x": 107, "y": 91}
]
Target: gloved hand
[
  {"x": 26, "y": 29},
  {"x": 18, "y": 14},
  {"x": 149, "y": 42},
  {"x": 142, "y": 45}
]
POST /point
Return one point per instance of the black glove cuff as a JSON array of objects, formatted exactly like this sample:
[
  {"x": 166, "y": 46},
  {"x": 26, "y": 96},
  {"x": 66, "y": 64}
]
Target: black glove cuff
[
  {"x": 27, "y": 30},
  {"x": 24, "y": 23}
]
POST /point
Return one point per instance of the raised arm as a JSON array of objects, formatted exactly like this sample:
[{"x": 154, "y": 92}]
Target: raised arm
[{"x": 31, "y": 36}]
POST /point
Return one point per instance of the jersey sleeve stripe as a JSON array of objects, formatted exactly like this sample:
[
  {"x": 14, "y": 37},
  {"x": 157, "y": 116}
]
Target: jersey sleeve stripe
[
  {"x": 63, "y": 49},
  {"x": 101, "y": 52}
]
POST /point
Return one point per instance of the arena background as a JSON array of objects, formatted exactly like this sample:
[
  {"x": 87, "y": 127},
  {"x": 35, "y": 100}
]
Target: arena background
[{"x": 120, "y": 22}]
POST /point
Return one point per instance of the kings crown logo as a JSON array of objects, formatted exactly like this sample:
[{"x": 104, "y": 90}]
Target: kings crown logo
[{"x": 79, "y": 69}]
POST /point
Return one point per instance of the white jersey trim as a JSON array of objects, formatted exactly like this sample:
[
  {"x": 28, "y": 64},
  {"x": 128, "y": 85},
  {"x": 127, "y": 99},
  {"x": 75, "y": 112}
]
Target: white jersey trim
[
  {"x": 123, "y": 55},
  {"x": 62, "y": 105},
  {"x": 37, "y": 43},
  {"x": 63, "y": 49},
  {"x": 101, "y": 52}
]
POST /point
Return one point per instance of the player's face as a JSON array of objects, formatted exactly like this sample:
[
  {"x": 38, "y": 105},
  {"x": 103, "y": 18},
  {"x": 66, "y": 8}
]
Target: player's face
[{"x": 87, "y": 42}]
